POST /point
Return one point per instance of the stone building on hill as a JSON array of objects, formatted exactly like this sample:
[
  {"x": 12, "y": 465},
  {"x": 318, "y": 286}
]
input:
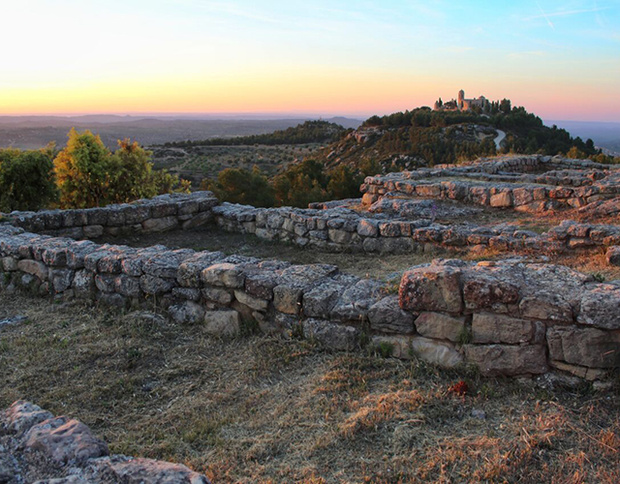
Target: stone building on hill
[{"x": 462, "y": 104}]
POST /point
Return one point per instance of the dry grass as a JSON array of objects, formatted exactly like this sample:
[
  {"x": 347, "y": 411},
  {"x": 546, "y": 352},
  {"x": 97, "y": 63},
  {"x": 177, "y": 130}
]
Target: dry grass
[{"x": 264, "y": 409}]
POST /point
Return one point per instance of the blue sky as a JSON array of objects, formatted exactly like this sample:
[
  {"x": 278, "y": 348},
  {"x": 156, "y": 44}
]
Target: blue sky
[{"x": 558, "y": 59}]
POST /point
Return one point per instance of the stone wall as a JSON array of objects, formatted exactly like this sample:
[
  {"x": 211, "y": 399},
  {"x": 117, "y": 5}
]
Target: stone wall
[
  {"x": 161, "y": 213},
  {"x": 342, "y": 229},
  {"x": 507, "y": 318},
  {"x": 505, "y": 183}
]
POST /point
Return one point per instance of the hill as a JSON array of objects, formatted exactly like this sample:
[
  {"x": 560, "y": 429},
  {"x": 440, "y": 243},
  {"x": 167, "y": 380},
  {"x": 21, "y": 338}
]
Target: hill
[
  {"x": 422, "y": 137},
  {"x": 604, "y": 135},
  {"x": 308, "y": 132}
]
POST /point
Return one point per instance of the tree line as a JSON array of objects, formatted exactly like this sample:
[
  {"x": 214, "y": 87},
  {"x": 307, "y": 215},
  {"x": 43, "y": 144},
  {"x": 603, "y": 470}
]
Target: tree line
[
  {"x": 83, "y": 174},
  {"x": 307, "y": 132}
]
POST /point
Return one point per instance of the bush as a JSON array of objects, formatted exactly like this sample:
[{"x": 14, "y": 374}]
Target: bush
[
  {"x": 26, "y": 179},
  {"x": 237, "y": 185},
  {"x": 89, "y": 175}
]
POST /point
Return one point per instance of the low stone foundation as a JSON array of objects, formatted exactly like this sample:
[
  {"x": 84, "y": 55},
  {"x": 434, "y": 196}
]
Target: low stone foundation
[
  {"x": 507, "y": 318},
  {"x": 342, "y": 229},
  {"x": 158, "y": 214},
  {"x": 505, "y": 183}
]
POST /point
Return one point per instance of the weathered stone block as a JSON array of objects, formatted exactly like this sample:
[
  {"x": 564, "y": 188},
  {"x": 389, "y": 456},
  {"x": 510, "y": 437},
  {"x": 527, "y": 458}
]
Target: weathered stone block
[
  {"x": 223, "y": 274},
  {"x": 222, "y": 323},
  {"x": 546, "y": 307},
  {"x": 65, "y": 441},
  {"x": 222, "y": 297},
  {"x": 387, "y": 316},
  {"x": 501, "y": 200},
  {"x": 507, "y": 360},
  {"x": 61, "y": 279},
  {"x": 400, "y": 346},
  {"x": 84, "y": 284},
  {"x": 587, "y": 347},
  {"x": 497, "y": 328},
  {"x": 436, "y": 352},
  {"x": 440, "y": 326},
  {"x": 482, "y": 291},
  {"x": 187, "y": 312},
  {"x": 155, "y": 285},
  {"x": 127, "y": 285},
  {"x": 600, "y": 307},
  {"x": 431, "y": 288},
  {"x": 93, "y": 231},
  {"x": 252, "y": 302},
  {"x": 613, "y": 255},
  {"x": 287, "y": 299},
  {"x": 34, "y": 268},
  {"x": 331, "y": 335},
  {"x": 160, "y": 224}
]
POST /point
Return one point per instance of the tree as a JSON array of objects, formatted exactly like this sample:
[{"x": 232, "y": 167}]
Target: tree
[
  {"x": 83, "y": 171},
  {"x": 89, "y": 175},
  {"x": 26, "y": 179},
  {"x": 237, "y": 185},
  {"x": 131, "y": 174},
  {"x": 344, "y": 183}
]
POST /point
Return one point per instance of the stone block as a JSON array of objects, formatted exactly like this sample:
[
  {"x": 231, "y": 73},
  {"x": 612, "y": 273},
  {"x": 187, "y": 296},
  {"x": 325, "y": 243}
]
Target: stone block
[
  {"x": 600, "y": 307},
  {"x": 331, "y": 335},
  {"x": 156, "y": 285},
  {"x": 546, "y": 307},
  {"x": 588, "y": 347},
  {"x": 252, "y": 302},
  {"x": 482, "y": 291},
  {"x": 386, "y": 316},
  {"x": 501, "y": 200},
  {"x": 34, "y": 268},
  {"x": 400, "y": 345},
  {"x": 65, "y": 441},
  {"x": 613, "y": 255},
  {"x": 440, "y": 326},
  {"x": 217, "y": 295},
  {"x": 187, "y": 312},
  {"x": 507, "y": 360},
  {"x": 222, "y": 323},
  {"x": 127, "y": 285},
  {"x": 367, "y": 228},
  {"x": 497, "y": 328},
  {"x": 436, "y": 352},
  {"x": 160, "y": 224},
  {"x": 223, "y": 274},
  {"x": 431, "y": 288},
  {"x": 287, "y": 299},
  {"x": 61, "y": 279}
]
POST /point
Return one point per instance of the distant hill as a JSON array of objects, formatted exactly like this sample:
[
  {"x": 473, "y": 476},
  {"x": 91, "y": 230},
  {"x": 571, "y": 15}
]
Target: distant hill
[
  {"x": 307, "y": 132},
  {"x": 605, "y": 135},
  {"x": 422, "y": 137},
  {"x": 33, "y": 132}
]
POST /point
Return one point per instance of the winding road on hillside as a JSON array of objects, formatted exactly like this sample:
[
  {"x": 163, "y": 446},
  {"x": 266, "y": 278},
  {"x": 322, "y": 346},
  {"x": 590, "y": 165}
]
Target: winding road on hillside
[{"x": 499, "y": 138}]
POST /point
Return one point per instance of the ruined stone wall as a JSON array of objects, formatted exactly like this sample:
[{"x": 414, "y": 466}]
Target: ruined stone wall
[
  {"x": 339, "y": 229},
  {"x": 506, "y": 318},
  {"x": 161, "y": 213},
  {"x": 564, "y": 183}
]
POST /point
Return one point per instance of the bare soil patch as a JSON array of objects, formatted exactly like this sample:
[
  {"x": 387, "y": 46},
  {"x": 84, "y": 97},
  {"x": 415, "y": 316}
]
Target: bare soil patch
[{"x": 264, "y": 409}]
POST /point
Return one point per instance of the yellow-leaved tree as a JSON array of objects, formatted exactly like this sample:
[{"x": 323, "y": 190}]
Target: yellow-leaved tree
[{"x": 89, "y": 175}]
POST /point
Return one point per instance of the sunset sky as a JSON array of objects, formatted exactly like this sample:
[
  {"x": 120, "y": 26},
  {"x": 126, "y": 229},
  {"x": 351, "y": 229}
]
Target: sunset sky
[{"x": 559, "y": 59}]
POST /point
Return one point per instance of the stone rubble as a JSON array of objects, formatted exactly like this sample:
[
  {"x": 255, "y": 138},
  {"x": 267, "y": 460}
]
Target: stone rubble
[{"x": 37, "y": 447}]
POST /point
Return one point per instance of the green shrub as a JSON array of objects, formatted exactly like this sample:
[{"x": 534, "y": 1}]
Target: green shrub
[{"x": 26, "y": 179}]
